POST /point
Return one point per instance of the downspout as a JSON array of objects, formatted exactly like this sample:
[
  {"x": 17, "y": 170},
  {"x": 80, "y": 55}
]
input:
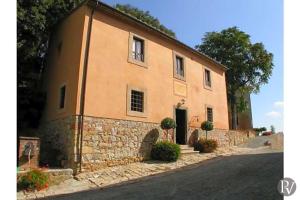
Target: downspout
[{"x": 83, "y": 84}]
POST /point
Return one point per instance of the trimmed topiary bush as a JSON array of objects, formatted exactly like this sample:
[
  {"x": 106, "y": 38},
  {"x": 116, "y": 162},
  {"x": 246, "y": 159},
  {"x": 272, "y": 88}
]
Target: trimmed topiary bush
[
  {"x": 165, "y": 151},
  {"x": 168, "y": 123},
  {"x": 207, "y": 126},
  {"x": 33, "y": 180},
  {"x": 206, "y": 146}
]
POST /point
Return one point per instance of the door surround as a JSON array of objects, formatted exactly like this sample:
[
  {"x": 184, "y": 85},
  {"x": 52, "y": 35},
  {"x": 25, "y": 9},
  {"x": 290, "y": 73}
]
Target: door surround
[{"x": 186, "y": 121}]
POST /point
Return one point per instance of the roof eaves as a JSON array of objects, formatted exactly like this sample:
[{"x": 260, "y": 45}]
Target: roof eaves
[{"x": 122, "y": 14}]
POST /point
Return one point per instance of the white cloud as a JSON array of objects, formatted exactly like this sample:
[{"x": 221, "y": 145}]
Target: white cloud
[
  {"x": 273, "y": 114},
  {"x": 278, "y": 104}
]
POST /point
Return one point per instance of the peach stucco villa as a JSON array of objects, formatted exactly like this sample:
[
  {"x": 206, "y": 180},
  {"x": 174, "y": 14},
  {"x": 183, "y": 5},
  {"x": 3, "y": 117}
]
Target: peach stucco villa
[{"x": 111, "y": 79}]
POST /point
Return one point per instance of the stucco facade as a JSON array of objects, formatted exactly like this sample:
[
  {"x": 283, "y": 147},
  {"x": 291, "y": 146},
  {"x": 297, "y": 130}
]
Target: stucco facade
[
  {"x": 109, "y": 73},
  {"x": 90, "y": 55}
]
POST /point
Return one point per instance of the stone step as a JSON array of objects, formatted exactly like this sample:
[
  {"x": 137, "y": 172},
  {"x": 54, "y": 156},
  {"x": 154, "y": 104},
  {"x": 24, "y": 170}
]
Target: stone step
[
  {"x": 185, "y": 147},
  {"x": 189, "y": 152}
]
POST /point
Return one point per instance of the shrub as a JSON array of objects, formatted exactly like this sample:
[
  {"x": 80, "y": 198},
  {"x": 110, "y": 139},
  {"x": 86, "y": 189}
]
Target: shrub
[
  {"x": 168, "y": 123},
  {"x": 34, "y": 179},
  {"x": 165, "y": 151},
  {"x": 206, "y": 145}
]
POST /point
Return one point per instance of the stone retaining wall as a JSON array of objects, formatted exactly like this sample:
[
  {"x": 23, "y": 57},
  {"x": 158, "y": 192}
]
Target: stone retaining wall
[
  {"x": 109, "y": 142},
  {"x": 225, "y": 138},
  {"x": 56, "y": 176},
  {"x": 106, "y": 142}
]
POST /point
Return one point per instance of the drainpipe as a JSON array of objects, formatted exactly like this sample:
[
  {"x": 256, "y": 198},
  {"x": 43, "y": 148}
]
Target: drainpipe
[{"x": 83, "y": 84}]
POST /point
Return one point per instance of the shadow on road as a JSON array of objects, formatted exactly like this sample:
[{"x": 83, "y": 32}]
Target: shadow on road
[{"x": 235, "y": 177}]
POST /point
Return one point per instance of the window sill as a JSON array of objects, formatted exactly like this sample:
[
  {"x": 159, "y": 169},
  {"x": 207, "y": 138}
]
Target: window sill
[
  {"x": 208, "y": 87},
  {"x": 136, "y": 114},
  {"x": 179, "y": 78},
  {"x": 137, "y": 62}
]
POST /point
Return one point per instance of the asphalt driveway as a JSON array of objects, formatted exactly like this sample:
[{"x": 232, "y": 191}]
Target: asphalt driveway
[{"x": 253, "y": 176}]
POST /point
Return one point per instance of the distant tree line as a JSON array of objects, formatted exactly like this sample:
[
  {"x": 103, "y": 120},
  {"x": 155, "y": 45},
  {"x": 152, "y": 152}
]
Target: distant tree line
[
  {"x": 145, "y": 17},
  {"x": 260, "y": 130},
  {"x": 35, "y": 22}
]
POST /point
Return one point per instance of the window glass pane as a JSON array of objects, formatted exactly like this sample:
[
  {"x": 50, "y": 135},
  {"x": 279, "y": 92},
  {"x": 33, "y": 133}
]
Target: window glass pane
[
  {"x": 207, "y": 78},
  {"x": 137, "y": 101},
  {"x": 179, "y": 66},
  {"x": 138, "y": 49},
  {"x": 133, "y": 46},
  {"x": 209, "y": 112}
]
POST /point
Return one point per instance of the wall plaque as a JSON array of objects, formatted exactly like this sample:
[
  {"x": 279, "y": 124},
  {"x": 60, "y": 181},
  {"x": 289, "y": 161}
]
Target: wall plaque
[{"x": 180, "y": 89}]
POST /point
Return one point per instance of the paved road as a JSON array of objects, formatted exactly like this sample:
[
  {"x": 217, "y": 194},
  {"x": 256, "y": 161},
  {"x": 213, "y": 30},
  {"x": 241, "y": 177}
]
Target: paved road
[{"x": 239, "y": 177}]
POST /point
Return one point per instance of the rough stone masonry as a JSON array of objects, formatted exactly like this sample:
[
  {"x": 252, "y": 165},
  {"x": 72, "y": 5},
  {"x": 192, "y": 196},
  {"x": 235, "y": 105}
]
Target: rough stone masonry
[{"x": 110, "y": 142}]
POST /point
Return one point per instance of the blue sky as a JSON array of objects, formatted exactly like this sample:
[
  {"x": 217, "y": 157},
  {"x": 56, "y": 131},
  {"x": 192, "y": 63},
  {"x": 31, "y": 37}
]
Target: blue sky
[{"x": 261, "y": 19}]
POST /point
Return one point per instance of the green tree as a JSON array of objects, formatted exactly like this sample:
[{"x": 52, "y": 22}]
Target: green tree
[
  {"x": 250, "y": 65},
  {"x": 35, "y": 21},
  {"x": 145, "y": 17}
]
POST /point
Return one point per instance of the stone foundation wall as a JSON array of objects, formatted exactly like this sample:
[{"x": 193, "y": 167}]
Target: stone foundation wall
[
  {"x": 106, "y": 142},
  {"x": 109, "y": 142}
]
